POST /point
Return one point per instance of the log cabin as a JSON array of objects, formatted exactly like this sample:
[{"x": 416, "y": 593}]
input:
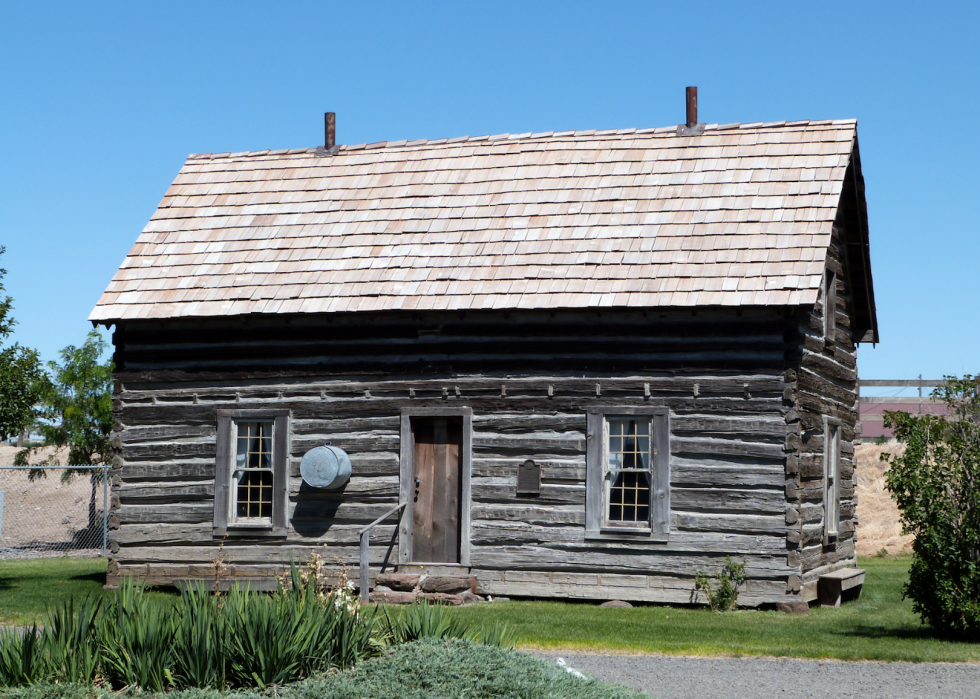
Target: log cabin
[{"x": 578, "y": 365}]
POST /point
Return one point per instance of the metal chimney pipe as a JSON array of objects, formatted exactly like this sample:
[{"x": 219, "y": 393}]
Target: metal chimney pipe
[
  {"x": 330, "y": 130},
  {"x": 692, "y": 107}
]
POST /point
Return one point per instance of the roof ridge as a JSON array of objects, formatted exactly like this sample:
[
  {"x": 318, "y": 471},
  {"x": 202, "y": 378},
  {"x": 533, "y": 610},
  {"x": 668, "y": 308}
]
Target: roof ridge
[{"x": 527, "y": 136}]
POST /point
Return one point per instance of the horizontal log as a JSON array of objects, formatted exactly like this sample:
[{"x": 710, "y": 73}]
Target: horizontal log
[
  {"x": 179, "y": 513},
  {"x": 728, "y": 448},
  {"x": 529, "y": 443},
  {"x": 497, "y": 533},
  {"x": 164, "y": 433},
  {"x": 176, "y": 491},
  {"x": 677, "y": 591},
  {"x": 505, "y": 489},
  {"x": 529, "y": 513},
  {"x": 189, "y": 534},
  {"x": 759, "y": 502},
  {"x": 691, "y": 473},
  {"x": 742, "y": 524},
  {"x": 168, "y": 451},
  {"x": 767, "y": 430},
  {"x": 617, "y": 558},
  {"x": 186, "y": 470}
]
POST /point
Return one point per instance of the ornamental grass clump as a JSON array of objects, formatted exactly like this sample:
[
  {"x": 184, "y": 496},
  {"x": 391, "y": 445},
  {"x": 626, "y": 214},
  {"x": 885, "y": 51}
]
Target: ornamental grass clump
[
  {"x": 209, "y": 641},
  {"x": 935, "y": 482},
  {"x": 422, "y": 620},
  {"x": 136, "y": 640}
]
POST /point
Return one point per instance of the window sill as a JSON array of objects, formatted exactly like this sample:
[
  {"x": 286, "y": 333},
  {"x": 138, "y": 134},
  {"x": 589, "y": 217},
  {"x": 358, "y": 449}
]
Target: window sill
[
  {"x": 250, "y": 529},
  {"x": 618, "y": 534}
]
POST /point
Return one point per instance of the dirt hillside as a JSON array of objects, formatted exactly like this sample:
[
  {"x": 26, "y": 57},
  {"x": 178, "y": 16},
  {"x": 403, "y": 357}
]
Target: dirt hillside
[{"x": 879, "y": 526}]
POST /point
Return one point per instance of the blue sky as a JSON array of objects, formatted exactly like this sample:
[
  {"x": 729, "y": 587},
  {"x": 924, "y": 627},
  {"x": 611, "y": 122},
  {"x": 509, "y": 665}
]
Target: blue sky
[{"x": 101, "y": 103}]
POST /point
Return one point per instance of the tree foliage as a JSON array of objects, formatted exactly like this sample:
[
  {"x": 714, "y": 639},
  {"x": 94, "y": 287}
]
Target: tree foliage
[
  {"x": 79, "y": 403},
  {"x": 936, "y": 484},
  {"x": 23, "y": 382}
]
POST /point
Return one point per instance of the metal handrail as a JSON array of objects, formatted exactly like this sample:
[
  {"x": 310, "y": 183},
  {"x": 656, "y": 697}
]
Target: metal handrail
[{"x": 365, "y": 535}]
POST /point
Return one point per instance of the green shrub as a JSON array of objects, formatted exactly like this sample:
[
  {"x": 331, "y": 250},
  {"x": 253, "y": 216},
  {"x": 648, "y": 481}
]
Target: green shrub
[
  {"x": 200, "y": 638},
  {"x": 70, "y": 640},
  {"x": 936, "y": 484},
  {"x": 455, "y": 669},
  {"x": 22, "y": 657},
  {"x": 451, "y": 669},
  {"x": 215, "y": 642},
  {"x": 136, "y": 639},
  {"x": 422, "y": 620},
  {"x": 722, "y": 597}
]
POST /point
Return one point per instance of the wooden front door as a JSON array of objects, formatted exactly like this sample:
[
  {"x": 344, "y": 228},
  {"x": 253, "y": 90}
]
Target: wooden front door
[{"x": 436, "y": 499}]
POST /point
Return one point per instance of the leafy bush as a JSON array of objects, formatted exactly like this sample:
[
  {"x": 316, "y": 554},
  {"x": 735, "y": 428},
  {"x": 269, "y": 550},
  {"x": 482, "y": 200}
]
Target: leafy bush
[
  {"x": 724, "y": 596},
  {"x": 936, "y": 484}
]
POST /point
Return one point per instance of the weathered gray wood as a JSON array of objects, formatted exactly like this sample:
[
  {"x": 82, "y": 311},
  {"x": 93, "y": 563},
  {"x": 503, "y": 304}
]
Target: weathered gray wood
[
  {"x": 593, "y": 495},
  {"x": 183, "y": 513},
  {"x": 728, "y": 447},
  {"x": 280, "y": 474},
  {"x": 222, "y": 475},
  {"x": 661, "y": 494},
  {"x": 496, "y": 533},
  {"x": 689, "y": 473},
  {"x": 717, "y": 500},
  {"x": 175, "y": 491},
  {"x": 185, "y": 534}
]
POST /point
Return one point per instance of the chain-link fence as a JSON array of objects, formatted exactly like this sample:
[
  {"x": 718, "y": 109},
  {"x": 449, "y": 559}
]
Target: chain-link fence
[{"x": 53, "y": 511}]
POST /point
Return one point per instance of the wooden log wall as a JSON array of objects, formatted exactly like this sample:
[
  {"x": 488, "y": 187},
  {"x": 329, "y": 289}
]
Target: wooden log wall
[
  {"x": 826, "y": 385},
  {"x": 729, "y": 379}
]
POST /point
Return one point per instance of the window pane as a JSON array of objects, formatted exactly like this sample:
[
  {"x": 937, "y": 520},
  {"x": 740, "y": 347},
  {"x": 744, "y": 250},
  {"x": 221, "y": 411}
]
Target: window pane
[
  {"x": 631, "y": 450},
  {"x": 629, "y": 498},
  {"x": 255, "y": 494}
]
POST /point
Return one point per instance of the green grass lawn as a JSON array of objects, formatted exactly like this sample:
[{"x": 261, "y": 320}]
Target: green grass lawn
[
  {"x": 879, "y": 626},
  {"x": 28, "y": 588}
]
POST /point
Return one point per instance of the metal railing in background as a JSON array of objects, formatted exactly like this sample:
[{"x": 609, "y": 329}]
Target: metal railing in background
[
  {"x": 872, "y": 407},
  {"x": 53, "y": 511},
  {"x": 363, "y": 563}
]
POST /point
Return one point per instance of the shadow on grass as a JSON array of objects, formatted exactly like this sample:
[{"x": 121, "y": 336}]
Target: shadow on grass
[{"x": 90, "y": 577}]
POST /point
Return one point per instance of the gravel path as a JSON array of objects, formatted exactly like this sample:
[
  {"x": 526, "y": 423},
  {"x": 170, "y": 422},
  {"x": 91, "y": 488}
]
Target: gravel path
[{"x": 708, "y": 678}]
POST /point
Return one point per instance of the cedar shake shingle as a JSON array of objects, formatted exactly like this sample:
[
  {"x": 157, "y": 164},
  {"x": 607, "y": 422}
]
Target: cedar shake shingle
[{"x": 740, "y": 215}]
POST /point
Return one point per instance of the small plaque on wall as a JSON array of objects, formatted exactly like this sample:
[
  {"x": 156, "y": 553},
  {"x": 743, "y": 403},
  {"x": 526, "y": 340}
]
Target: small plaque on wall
[{"x": 529, "y": 479}]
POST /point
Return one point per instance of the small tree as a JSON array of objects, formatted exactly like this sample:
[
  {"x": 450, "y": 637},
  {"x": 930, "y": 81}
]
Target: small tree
[
  {"x": 23, "y": 382},
  {"x": 78, "y": 414},
  {"x": 936, "y": 484},
  {"x": 79, "y": 403}
]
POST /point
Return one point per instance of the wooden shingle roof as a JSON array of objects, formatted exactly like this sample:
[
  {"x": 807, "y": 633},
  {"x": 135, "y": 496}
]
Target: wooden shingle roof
[{"x": 740, "y": 215}]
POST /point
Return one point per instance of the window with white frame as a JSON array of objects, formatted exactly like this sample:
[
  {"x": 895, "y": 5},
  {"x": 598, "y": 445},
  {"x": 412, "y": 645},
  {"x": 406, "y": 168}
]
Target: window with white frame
[
  {"x": 627, "y": 481},
  {"x": 628, "y": 473},
  {"x": 252, "y": 478},
  {"x": 251, "y": 471},
  {"x": 831, "y": 470}
]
